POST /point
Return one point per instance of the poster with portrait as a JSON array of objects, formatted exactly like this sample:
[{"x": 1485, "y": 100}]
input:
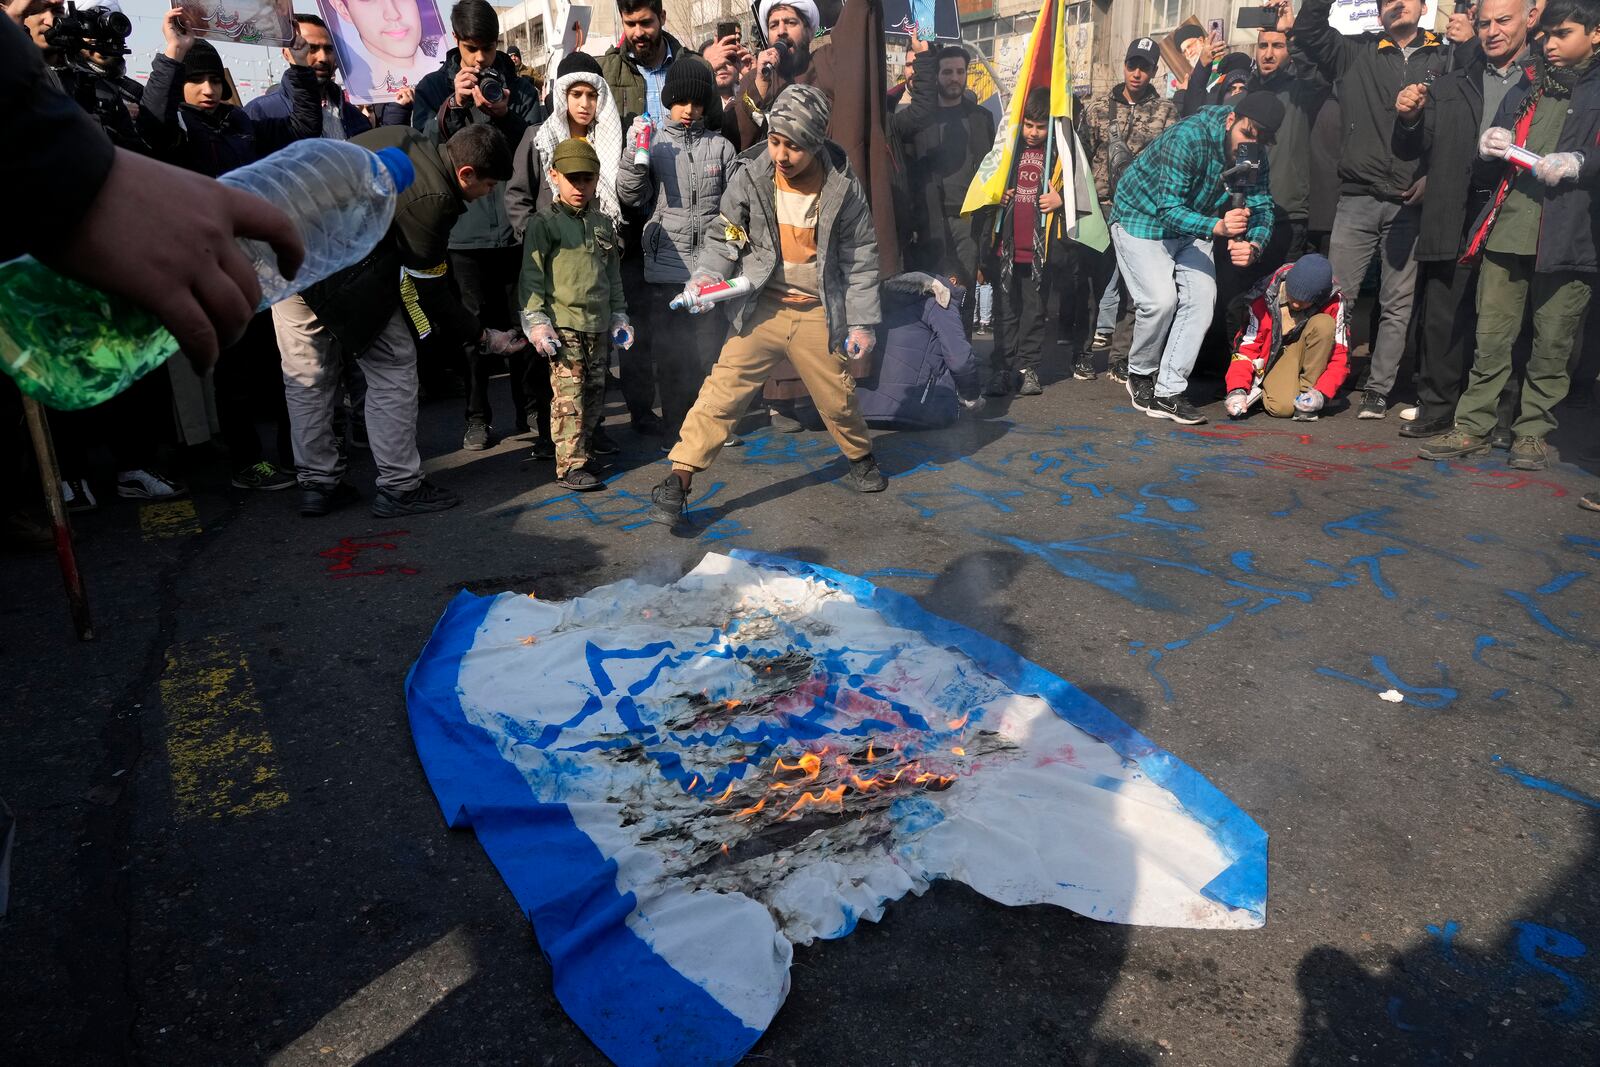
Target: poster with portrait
[
  {"x": 1181, "y": 58},
  {"x": 933, "y": 20},
  {"x": 385, "y": 45},
  {"x": 263, "y": 22}
]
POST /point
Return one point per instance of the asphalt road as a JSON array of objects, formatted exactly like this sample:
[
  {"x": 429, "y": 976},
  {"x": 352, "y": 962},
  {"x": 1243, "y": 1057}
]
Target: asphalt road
[{"x": 227, "y": 852}]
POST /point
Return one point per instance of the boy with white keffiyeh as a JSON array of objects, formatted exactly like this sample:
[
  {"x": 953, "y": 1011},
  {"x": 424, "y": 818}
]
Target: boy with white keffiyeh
[{"x": 582, "y": 107}]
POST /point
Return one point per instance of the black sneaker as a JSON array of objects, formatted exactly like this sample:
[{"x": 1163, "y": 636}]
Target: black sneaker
[
  {"x": 425, "y": 498},
  {"x": 1499, "y": 437},
  {"x": 1589, "y": 502},
  {"x": 865, "y": 477},
  {"x": 667, "y": 500},
  {"x": 264, "y": 475},
  {"x": 1431, "y": 427},
  {"x": 1141, "y": 390},
  {"x": 476, "y": 439},
  {"x": 650, "y": 425},
  {"x": 1102, "y": 341},
  {"x": 1118, "y": 371},
  {"x": 1373, "y": 406},
  {"x": 1029, "y": 385},
  {"x": 77, "y": 496},
  {"x": 544, "y": 449},
  {"x": 580, "y": 480},
  {"x": 782, "y": 423},
  {"x": 733, "y": 441},
  {"x": 1177, "y": 408},
  {"x": 1304, "y": 416},
  {"x": 601, "y": 444},
  {"x": 319, "y": 500},
  {"x": 1083, "y": 369},
  {"x": 999, "y": 384}
]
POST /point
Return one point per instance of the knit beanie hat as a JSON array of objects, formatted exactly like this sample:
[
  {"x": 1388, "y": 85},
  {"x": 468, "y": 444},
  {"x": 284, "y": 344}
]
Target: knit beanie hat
[
  {"x": 1309, "y": 280},
  {"x": 689, "y": 81},
  {"x": 579, "y": 63},
  {"x": 204, "y": 60},
  {"x": 801, "y": 114}
]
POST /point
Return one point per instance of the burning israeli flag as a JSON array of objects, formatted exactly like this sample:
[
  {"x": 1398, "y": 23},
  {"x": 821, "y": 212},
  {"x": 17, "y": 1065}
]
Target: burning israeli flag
[{"x": 680, "y": 782}]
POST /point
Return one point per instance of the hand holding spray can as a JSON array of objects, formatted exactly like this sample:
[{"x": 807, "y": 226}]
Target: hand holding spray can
[
  {"x": 641, "y": 143},
  {"x": 714, "y": 293}
]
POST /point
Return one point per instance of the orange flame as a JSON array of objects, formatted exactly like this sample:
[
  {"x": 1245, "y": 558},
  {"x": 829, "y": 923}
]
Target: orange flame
[
  {"x": 751, "y": 810},
  {"x": 834, "y": 795},
  {"x": 732, "y": 703},
  {"x": 692, "y": 783},
  {"x": 956, "y": 724},
  {"x": 724, "y": 848},
  {"x": 726, "y": 793},
  {"x": 530, "y": 640},
  {"x": 871, "y": 756},
  {"x": 958, "y": 750},
  {"x": 810, "y": 763}
]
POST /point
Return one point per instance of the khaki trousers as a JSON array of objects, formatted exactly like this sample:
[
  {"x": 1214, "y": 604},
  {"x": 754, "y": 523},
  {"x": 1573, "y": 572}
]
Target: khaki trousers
[
  {"x": 775, "y": 331},
  {"x": 1298, "y": 367}
]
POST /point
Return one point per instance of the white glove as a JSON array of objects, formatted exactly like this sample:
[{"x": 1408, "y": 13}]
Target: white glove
[
  {"x": 621, "y": 331},
  {"x": 940, "y": 292},
  {"x": 861, "y": 341},
  {"x": 1494, "y": 142},
  {"x": 970, "y": 405},
  {"x": 640, "y": 123},
  {"x": 1558, "y": 167},
  {"x": 544, "y": 340},
  {"x": 1237, "y": 402},
  {"x": 1309, "y": 401},
  {"x": 503, "y": 342},
  {"x": 691, "y": 290}
]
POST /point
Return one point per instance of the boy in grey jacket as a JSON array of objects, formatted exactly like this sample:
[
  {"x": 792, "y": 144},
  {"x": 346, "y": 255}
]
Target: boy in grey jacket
[
  {"x": 682, "y": 186},
  {"x": 795, "y": 226}
]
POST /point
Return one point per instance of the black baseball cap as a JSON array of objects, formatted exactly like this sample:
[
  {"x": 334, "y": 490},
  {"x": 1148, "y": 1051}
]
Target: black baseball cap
[
  {"x": 1264, "y": 109},
  {"x": 1144, "y": 48}
]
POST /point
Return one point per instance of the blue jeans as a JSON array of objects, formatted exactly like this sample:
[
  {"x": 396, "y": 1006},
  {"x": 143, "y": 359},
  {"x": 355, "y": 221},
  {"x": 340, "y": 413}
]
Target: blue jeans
[
  {"x": 1110, "y": 302},
  {"x": 1173, "y": 286}
]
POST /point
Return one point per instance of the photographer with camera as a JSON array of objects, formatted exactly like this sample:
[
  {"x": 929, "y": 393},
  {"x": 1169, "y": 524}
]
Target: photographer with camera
[
  {"x": 1115, "y": 128},
  {"x": 1171, "y": 202},
  {"x": 86, "y": 45},
  {"x": 480, "y": 86}
]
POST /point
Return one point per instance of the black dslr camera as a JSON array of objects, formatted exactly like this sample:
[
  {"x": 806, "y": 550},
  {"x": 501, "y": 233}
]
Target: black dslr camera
[
  {"x": 1242, "y": 177},
  {"x": 96, "y": 30},
  {"x": 492, "y": 85}
]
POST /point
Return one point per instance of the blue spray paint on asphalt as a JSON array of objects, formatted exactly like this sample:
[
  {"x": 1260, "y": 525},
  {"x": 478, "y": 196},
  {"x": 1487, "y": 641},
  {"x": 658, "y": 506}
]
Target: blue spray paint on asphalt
[{"x": 1544, "y": 785}]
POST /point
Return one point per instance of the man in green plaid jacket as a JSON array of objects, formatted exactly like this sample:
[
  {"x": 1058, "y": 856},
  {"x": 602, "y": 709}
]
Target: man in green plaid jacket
[{"x": 1169, "y": 205}]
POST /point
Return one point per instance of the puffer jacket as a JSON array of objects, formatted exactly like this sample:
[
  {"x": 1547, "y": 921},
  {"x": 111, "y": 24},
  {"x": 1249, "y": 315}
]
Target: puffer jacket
[
  {"x": 1260, "y": 343},
  {"x": 486, "y": 223},
  {"x": 1368, "y": 72},
  {"x": 683, "y": 185},
  {"x": 743, "y": 240},
  {"x": 278, "y": 115},
  {"x": 925, "y": 361},
  {"x": 1139, "y": 123}
]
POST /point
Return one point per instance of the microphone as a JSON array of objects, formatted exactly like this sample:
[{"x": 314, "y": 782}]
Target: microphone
[{"x": 782, "y": 45}]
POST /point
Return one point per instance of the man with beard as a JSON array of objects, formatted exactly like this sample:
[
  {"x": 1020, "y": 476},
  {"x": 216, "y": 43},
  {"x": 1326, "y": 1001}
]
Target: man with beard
[
  {"x": 312, "y": 66},
  {"x": 1378, "y": 194}
]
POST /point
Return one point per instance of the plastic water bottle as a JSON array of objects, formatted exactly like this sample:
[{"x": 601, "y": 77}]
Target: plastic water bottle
[{"x": 70, "y": 346}]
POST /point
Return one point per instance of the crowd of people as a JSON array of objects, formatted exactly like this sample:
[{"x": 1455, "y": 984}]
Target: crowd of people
[{"x": 775, "y": 227}]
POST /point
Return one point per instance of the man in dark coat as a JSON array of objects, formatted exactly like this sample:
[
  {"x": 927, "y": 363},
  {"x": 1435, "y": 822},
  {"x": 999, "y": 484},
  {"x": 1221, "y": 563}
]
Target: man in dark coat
[
  {"x": 1440, "y": 126},
  {"x": 484, "y": 253},
  {"x": 278, "y": 121}
]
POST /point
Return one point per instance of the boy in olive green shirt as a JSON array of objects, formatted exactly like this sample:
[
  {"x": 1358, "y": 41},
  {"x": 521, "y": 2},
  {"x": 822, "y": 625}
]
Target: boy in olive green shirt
[{"x": 571, "y": 292}]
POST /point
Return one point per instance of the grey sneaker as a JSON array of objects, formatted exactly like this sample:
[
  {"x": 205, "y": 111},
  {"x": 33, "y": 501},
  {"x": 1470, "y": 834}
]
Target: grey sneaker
[
  {"x": 1528, "y": 454},
  {"x": 1083, "y": 368},
  {"x": 1102, "y": 341},
  {"x": 865, "y": 477},
  {"x": 425, "y": 498},
  {"x": 476, "y": 439},
  {"x": 1029, "y": 385},
  {"x": 667, "y": 500},
  {"x": 1373, "y": 406},
  {"x": 1118, "y": 371},
  {"x": 1453, "y": 445}
]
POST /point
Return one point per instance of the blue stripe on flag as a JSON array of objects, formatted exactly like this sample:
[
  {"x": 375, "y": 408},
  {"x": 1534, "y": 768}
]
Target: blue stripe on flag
[{"x": 630, "y": 1003}]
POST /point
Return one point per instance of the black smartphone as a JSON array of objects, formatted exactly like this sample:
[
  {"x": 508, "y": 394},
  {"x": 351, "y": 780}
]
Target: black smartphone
[
  {"x": 1463, "y": 7},
  {"x": 727, "y": 29},
  {"x": 1257, "y": 18}
]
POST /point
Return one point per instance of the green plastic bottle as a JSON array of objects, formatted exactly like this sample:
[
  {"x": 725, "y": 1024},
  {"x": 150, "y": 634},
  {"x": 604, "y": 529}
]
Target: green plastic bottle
[{"x": 43, "y": 313}]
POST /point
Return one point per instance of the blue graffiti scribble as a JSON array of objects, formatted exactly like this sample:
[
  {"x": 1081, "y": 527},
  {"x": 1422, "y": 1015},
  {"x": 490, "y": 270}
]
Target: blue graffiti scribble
[
  {"x": 898, "y": 572},
  {"x": 1533, "y": 939},
  {"x": 964, "y": 498},
  {"x": 1484, "y": 642},
  {"x": 1434, "y": 698},
  {"x": 1544, "y": 785},
  {"x": 1377, "y": 523},
  {"x": 1589, "y": 546},
  {"x": 1067, "y": 559}
]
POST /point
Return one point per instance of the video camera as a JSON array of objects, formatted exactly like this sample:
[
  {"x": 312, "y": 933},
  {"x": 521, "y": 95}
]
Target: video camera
[
  {"x": 1241, "y": 178},
  {"x": 96, "y": 30}
]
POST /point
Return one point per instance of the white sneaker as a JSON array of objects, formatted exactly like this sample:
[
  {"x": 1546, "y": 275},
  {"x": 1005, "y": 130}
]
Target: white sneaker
[
  {"x": 1409, "y": 414},
  {"x": 76, "y": 495},
  {"x": 147, "y": 485}
]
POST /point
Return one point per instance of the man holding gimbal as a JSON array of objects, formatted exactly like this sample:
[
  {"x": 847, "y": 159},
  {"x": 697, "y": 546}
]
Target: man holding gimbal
[{"x": 1171, "y": 201}]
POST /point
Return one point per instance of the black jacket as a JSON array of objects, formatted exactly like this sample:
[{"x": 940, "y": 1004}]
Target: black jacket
[
  {"x": 1369, "y": 71},
  {"x": 66, "y": 152},
  {"x": 187, "y": 137},
  {"x": 356, "y": 303},
  {"x": 1445, "y": 141},
  {"x": 278, "y": 115},
  {"x": 485, "y": 224},
  {"x": 1302, "y": 92},
  {"x": 1569, "y": 223},
  {"x": 942, "y": 148}
]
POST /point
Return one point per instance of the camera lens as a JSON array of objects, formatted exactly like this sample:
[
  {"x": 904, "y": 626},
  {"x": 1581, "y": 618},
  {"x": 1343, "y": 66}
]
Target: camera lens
[{"x": 114, "y": 23}]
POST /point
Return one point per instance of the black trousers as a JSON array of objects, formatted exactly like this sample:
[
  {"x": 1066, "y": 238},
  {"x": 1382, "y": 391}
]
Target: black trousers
[
  {"x": 487, "y": 279},
  {"x": 1019, "y": 338},
  {"x": 637, "y": 365},
  {"x": 688, "y": 346},
  {"x": 1446, "y": 337}
]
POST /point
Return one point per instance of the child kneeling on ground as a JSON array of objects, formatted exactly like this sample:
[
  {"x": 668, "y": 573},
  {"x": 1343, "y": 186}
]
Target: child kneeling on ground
[
  {"x": 812, "y": 294},
  {"x": 571, "y": 292},
  {"x": 1293, "y": 354}
]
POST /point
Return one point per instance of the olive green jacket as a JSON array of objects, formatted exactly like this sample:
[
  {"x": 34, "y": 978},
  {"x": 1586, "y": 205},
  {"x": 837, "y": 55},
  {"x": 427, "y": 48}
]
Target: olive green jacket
[{"x": 571, "y": 270}]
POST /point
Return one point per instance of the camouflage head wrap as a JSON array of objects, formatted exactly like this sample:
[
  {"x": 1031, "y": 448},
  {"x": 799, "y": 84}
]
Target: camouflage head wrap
[{"x": 801, "y": 114}]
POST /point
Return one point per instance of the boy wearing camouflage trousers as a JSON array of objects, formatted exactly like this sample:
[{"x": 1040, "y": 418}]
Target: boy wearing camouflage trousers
[{"x": 571, "y": 292}]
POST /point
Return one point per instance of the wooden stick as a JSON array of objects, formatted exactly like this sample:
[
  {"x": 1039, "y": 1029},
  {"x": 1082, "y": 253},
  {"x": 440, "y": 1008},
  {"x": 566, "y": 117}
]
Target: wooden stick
[{"x": 50, "y": 476}]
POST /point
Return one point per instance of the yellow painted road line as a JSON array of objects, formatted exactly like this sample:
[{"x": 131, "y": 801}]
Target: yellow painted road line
[
  {"x": 222, "y": 757},
  {"x": 176, "y": 518}
]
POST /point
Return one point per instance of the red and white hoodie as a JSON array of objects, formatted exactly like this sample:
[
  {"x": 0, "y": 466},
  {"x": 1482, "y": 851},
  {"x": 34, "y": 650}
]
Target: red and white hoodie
[{"x": 1260, "y": 343}]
